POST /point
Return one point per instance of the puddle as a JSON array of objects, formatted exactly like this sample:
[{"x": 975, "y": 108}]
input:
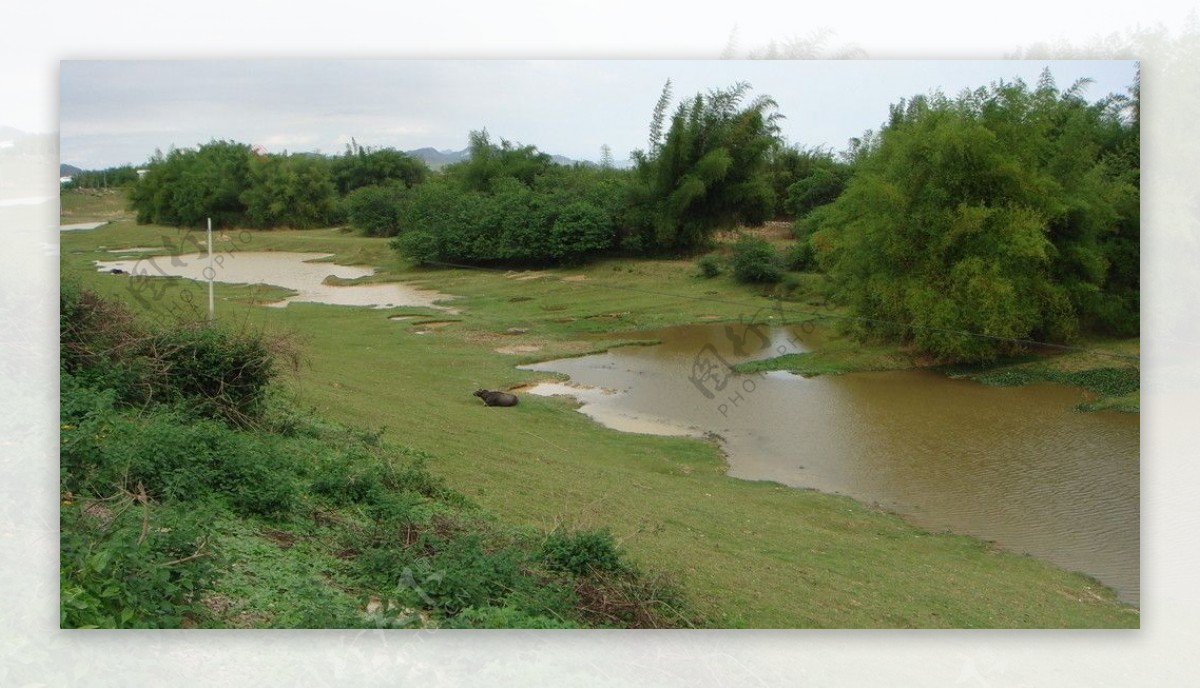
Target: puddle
[{"x": 300, "y": 272}]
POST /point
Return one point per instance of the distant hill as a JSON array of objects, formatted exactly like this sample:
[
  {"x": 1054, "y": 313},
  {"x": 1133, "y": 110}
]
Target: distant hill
[
  {"x": 65, "y": 170},
  {"x": 436, "y": 159}
]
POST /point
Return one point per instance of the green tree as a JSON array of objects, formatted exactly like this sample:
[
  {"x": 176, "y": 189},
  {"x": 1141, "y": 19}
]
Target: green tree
[
  {"x": 975, "y": 222},
  {"x": 821, "y": 178},
  {"x": 709, "y": 171},
  {"x": 289, "y": 191},
  {"x": 375, "y": 210},
  {"x": 187, "y": 186},
  {"x": 488, "y": 163},
  {"x": 362, "y": 167}
]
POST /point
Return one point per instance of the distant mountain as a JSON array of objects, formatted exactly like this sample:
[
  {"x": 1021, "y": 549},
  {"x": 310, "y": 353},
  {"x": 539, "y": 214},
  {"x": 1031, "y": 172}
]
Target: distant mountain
[
  {"x": 436, "y": 159},
  {"x": 563, "y": 160},
  {"x": 65, "y": 170}
]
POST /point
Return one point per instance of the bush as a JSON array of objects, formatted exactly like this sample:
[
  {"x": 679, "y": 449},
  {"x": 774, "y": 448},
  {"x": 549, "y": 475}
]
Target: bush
[
  {"x": 375, "y": 210},
  {"x": 211, "y": 371},
  {"x": 214, "y": 372},
  {"x": 512, "y": 224},
  {"x": 801, "y": 257},
  {"x": 581, "y": 552},
  {"x": 710, "y": 266},
  {"x": 755, "y": 260}
]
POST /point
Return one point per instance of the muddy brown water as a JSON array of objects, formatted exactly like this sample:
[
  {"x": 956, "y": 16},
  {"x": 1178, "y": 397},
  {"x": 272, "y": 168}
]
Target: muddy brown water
[{"x": 1017, "y": 466}]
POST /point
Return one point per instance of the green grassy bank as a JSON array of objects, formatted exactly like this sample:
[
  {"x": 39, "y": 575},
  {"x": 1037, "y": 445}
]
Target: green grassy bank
[{"x": 744, "y": 553}]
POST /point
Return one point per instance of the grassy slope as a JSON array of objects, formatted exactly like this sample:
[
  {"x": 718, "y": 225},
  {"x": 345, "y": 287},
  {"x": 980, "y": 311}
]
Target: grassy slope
[{"x": 752, "y": 554}]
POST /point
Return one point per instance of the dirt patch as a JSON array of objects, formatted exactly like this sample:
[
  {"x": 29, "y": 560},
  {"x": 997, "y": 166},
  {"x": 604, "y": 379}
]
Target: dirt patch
[
  {"x": 518, "y": 349},
  {"x": 526, "y": 275},
  {"x": 709, "y": 317},
  {"x": 283, "y": 539},
  {"x": 575, "y": 278}
]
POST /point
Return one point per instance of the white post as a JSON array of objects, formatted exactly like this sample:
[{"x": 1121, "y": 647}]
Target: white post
[{"x": 211, "y": 273}]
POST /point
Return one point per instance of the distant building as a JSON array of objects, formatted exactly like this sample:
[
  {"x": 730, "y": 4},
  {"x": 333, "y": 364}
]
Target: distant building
[{"x": 66, "y": 179}]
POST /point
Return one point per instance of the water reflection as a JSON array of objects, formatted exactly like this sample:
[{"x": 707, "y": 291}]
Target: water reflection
[{"x": 1013, "y": 465}]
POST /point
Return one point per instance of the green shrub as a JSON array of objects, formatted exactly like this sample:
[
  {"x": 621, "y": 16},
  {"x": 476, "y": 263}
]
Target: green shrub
[
  {"x": 512, "y": 224},
  {"x": 211, "y": 371},
  {"x": 215, "y": 372},
  {"x": 788, "y": 286},
  {"x": 581, "y": 552},
  {"x": 710, "y": 266},
  {"x": 463, "y": 572},
  {"x": 755, "y": 260},
  {"x": 375, "y": 210},
  {"x": 801, "y": 257}
]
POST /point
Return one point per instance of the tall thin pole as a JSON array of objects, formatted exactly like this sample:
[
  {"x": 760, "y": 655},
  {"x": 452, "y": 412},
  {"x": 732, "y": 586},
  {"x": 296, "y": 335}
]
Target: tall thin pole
[{"x": 211, "y": 274}]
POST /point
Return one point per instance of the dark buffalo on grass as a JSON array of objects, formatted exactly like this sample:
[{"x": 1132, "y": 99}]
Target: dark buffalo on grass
[{"x": 495, "y": 398}]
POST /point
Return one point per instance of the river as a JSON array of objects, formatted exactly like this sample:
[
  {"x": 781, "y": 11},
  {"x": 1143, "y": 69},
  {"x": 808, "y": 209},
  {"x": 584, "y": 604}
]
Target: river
[{"x": 1014, "y": 465}]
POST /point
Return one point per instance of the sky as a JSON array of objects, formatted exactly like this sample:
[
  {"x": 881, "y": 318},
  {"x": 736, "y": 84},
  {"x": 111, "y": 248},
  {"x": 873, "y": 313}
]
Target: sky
[{"x": 115, "y": 112}]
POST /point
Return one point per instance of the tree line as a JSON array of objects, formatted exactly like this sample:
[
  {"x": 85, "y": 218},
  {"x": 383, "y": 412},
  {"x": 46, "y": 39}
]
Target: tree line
[
  {"x": 1009, "y": 212},
  {"x": 235, "y": 185}
]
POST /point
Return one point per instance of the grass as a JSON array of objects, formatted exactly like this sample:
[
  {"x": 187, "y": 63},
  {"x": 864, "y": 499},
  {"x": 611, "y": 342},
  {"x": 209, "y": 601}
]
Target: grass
[
  {"x": 747, "y": 554},
  {"x": 92, "y": 205},
  {"x": 1108, "y": 369}
]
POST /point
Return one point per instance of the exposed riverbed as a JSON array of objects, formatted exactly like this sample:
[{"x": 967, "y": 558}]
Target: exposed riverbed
[{"x": 1013, "y": 465}]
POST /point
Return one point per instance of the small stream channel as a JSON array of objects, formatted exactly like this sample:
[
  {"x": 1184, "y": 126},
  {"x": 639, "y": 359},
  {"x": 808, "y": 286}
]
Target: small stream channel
[{"x": 1013, "y": 465}]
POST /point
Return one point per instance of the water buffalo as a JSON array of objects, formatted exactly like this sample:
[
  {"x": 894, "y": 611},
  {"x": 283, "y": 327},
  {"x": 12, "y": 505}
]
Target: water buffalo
[{"x": 495, "y": 398}]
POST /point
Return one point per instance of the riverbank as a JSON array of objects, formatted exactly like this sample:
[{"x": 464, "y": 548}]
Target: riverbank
[
  {"x": 747, "y": 553},
  {"x": 1107, "y": 369}
]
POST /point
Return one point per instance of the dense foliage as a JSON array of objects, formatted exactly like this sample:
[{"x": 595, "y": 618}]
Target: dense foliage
[
  {"x": 237, "y": 186},
  {"x": 364, "y": 167},
  {"x": 512, "y": 205},
  {"x": 186, "y": 186},
  {"x": 708, "y": 171},
  {"x": 755, "y": 260},
  {"x": 1004, "y": 214},
  {"x": 175, "y": 512}
]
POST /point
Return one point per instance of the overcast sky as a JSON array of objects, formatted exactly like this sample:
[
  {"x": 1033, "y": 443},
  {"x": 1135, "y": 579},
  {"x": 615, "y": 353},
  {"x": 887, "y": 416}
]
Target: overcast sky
[{"x": 116, "y": 112}]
